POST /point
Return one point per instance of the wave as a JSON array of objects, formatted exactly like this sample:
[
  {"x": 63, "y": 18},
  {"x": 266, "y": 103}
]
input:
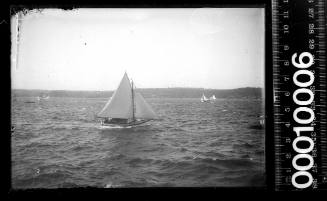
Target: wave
[
  {"x": 198, "y": 164},
  {"x": 111, "y": 185},
  {"x": 110, "y": 172},
  {"x": 245, "y": 145},
  {"x": 188, "y": 146},
  {"x": 71, "y": 185},
  {"x": 116, "y": 157},
  {"x": 48, "y": 180},
  {"x": 38, "y": 145},
  {"x": 57, "y": 175},
  {"x": 229, "y": 163},
  {"x": 244, "y": 179},
  {"x": 259, "y": 152},
  {"x": 256, "y": 127},
  {"x": 81, "y": 147},
  {"x": 139, "y": 161}
]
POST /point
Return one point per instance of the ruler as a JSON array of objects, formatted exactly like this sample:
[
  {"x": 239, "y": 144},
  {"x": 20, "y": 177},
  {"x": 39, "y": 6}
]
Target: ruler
[{"x": 299, "y": 87}]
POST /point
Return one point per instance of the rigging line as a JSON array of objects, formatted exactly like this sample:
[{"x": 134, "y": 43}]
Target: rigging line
[{"x": 133, "y": 107}]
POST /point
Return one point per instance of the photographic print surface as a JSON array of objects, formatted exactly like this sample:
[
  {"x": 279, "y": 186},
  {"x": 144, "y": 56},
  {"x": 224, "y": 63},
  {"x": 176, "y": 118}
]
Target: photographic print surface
[{"x": 138, "y": 98}]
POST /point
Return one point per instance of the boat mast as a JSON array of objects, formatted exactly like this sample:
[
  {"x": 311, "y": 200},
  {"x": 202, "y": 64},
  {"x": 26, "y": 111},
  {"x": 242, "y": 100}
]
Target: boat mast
[{"x": 133, "y": 117}]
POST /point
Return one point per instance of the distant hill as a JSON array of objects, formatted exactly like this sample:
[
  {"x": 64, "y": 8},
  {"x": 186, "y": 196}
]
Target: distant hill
[{"x": 247, "y": 92}]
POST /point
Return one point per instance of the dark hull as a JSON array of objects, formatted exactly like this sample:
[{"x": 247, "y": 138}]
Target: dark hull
[{"x": 129, "y": 124}]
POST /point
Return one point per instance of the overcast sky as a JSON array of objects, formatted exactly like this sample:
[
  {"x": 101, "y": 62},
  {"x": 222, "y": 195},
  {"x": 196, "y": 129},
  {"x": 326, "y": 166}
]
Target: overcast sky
[{"x": 90, "y": 49}]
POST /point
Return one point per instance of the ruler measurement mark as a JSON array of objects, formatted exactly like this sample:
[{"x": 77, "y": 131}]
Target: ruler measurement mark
[{"x": 283, "y": 91}]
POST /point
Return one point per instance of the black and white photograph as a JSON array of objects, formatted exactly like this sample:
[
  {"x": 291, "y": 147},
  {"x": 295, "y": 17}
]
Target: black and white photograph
[{"x": 138, "y": 97}]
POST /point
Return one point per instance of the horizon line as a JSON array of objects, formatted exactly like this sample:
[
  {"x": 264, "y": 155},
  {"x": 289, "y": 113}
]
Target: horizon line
[{"x": 139, "y": 88}]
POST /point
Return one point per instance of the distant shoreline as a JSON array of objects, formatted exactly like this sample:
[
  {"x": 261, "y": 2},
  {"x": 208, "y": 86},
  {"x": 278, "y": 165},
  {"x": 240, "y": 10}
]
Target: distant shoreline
[{"x": 147, "y": 93}]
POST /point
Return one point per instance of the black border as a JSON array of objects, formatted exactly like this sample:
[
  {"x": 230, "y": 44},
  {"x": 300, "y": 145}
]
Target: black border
[{"x": 8, "y": 10}]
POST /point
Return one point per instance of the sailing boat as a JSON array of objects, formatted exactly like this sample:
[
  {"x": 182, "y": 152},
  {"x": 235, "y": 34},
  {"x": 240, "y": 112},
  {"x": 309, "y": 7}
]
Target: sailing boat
[
  {"x": 204, "y": 98},
  {"x": 43, "y": 97},
  {"x": 213, "y": 98},
  {"x": 262, "y": 120},
  {"x": 126, "y": 107}
]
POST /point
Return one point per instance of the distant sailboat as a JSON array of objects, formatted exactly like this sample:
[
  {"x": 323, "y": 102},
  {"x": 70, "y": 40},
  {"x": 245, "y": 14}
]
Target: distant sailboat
[
  {"x": 126, "y": 107},
  {"x": 213, "y": 98},
  {"x": 43, "y": 97},
  {"x": 204, "y": 98},
  {"x": 262, "y": 120}
]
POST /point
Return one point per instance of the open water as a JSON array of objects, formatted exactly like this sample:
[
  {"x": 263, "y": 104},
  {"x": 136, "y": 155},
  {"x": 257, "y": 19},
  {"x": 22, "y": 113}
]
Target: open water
[{"x": 57, "y": 143}]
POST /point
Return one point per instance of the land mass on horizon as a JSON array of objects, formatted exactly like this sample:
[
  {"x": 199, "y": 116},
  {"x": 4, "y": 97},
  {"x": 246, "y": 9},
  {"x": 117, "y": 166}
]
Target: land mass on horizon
[{"x": 176, "y": 92}]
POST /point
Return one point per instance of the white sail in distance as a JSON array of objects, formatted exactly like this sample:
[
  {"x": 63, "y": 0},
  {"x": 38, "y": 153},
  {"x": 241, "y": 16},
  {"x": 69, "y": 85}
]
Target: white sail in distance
[
  {"x": 204, "y": 98},
  {"x": 120, "y": 104},
  {"x": 213, "y": 97}
]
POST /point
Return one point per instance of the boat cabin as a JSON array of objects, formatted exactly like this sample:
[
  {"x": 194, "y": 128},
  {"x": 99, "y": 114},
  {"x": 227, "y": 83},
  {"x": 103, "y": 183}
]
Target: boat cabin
[{"x": 115, "y": 121}]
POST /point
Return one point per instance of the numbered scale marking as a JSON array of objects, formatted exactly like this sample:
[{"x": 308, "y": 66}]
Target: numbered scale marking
[{"x": 299, "y": 84}]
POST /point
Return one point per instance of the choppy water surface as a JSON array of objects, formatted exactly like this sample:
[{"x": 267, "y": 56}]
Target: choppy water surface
[{"x": 58, "y": 143}]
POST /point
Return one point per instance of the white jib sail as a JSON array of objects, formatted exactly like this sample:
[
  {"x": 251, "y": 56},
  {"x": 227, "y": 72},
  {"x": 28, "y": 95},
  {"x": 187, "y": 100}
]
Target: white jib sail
[
  {"x": 120, "y": 104},
  {"x": 142, "y": 109}
]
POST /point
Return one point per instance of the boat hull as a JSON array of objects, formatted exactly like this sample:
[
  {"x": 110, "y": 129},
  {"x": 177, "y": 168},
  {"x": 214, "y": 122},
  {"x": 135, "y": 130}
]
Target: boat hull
[
  {"x": 124, "y": 125},
  {"x": 204, "y": 101}
]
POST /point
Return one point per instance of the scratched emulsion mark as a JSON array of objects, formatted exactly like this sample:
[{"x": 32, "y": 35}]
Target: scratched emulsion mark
[
  {"x": 18, "y": 15},
  {"x": 18, "y": 26}
]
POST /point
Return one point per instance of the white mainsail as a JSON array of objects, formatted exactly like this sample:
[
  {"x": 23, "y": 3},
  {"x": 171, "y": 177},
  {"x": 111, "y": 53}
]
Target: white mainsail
[
  {"x": 120, "y": 104},
  {"x": 142, "y": 108}
]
